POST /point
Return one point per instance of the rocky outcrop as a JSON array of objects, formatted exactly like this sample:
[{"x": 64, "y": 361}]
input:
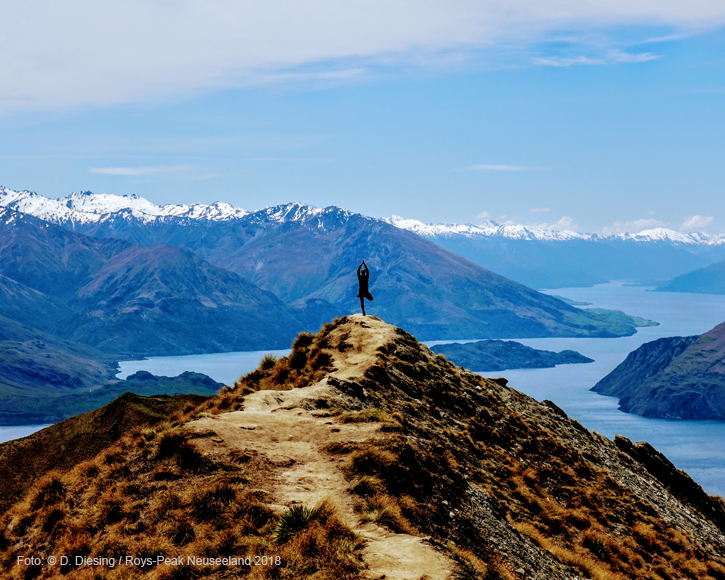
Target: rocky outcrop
[{"x": 672, "y": 378}]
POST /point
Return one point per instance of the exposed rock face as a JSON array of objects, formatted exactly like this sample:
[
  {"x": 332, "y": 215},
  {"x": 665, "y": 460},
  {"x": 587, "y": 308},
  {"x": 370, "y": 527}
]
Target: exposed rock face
[
  {"x": 673, "y": 378},
  {"x": 498, "y": 484},
  {"x": 499, "y": 355}
]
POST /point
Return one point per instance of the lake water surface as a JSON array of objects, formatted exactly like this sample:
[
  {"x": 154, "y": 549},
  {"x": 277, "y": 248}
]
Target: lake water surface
[{"x": 695, "y": 446}]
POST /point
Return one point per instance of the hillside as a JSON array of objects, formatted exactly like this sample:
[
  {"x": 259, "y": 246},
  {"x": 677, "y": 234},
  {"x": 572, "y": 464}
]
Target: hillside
[
  {"x": 307, "y": 258},
  {"x": 708, "y": 280},
  {"x": 51, "y": 406},
  {"x": 499, "y": 355},
  {"x": 35, "y": 365},
  {"x": 130, "y": 300},
  {"x": 672, "y": 378},
  {"x": 66, "y": 444},
  {"x": 361, "y": 455}
]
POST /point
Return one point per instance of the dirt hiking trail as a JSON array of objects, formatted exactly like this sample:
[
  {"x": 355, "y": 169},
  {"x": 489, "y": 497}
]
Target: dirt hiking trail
[{"x": 292, "y": 439}]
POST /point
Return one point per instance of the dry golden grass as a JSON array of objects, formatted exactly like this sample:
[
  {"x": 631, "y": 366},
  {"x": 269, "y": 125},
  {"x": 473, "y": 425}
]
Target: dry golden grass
[
  {"x": 384, "y": 510},
  {"x": 155, "y": 493}
]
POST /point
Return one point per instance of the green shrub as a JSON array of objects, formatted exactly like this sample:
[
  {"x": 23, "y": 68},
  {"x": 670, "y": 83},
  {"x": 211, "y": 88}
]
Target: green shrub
[{"x": 295, "y": 520}]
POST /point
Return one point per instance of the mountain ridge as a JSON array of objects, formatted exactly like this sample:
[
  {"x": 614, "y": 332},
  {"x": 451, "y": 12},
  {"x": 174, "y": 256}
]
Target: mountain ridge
[
  {"x": 84, "y": 207},
  {"x": 363, "y": 453}
]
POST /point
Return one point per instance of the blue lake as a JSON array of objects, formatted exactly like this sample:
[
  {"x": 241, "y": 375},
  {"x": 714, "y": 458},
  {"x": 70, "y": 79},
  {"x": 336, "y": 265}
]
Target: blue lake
[{"x": 695, "y": 446}]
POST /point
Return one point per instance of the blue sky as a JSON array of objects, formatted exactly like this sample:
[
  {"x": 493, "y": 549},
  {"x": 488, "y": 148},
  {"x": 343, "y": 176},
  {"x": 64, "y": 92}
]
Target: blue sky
[{"x": 603, "y": 120}]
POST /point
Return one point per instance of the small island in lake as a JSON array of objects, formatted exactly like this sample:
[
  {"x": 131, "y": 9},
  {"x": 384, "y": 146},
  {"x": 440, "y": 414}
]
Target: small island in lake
[{"x": 499, "y": 355}]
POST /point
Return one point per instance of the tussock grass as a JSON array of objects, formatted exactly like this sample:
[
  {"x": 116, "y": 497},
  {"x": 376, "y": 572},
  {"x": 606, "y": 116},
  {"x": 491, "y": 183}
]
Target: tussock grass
[
  {"x": 367, "y": 485},
  {"x": 49, "y": 491},
  {"x": 210, "y": 503},
  {"x": 586, "y": 565},
  {"x": 371, "y": 461},
  {"x": 384, "y": 510}
]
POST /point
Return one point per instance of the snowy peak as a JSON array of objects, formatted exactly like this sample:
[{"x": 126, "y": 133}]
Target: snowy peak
[
  {"x": 484, "y": 230},
  {"x": 85, "y": 207},
  {"x": 666, "y": 235},
  {"x": 491, "y": 229}
]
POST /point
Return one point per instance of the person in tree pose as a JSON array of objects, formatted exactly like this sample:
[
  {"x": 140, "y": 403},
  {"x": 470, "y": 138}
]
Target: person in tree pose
[{"x": 363, "y": 275}]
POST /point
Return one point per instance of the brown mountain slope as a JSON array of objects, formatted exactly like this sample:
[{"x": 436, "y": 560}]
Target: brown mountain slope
[
  {"x": 68, "y": 443},
  {"x": 364, "y": 454}
]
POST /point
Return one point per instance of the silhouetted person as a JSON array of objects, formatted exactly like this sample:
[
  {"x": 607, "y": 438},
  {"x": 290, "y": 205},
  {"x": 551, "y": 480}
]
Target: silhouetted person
[{"x": 363, "y": 275}]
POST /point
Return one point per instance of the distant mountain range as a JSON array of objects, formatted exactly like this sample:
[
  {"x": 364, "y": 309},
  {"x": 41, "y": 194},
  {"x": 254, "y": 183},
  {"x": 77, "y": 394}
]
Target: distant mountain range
[
  {"x": 543, "y": 258},
  {"x": 304, "y": 256},
  {"x": 531, "y": 255},
  {"x": 708, "y": 280},
  {"x": 672, "y": 378},
  {"x": 130, "y": 300}
]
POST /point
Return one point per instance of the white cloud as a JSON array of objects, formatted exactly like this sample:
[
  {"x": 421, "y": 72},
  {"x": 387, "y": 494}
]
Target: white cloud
[
  {"x": 501, "y": 168},
  {"x": 539, "y": 209},
  {"x": 131, "y": 171},
  {"x": 651, "y": 212},
  {"x": 696, "y": 222},
  {"x": 565, "y": 223},
  {"x": 632, "y": 227},
  {"x": 484, "y": 215},
  {"x": 83, "y": 52},
  {"x": 611, "y": 57}
]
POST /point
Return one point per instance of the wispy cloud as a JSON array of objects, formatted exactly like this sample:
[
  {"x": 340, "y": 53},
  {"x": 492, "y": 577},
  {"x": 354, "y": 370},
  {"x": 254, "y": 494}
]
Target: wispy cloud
[
  {"x": 632, "y": 227},
  {"x": 539, "y": 209},
  {"x": 484, "y": 215},
  {"x": 564, "y": 224},
  {"x": 611, "y": 57},
  {"x": 105, "y": 53},
  {"x": 696, "y": 222},
  {"x": 486, "y": 167},
  {"x": 133, "y": 171}
]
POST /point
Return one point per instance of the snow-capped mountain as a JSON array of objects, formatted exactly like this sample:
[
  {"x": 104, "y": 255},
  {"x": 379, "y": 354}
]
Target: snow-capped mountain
[
  {"x": 486, "y": 229},
  {"x": 667, "y": 235},
  {"x": 535, "y": 256},
  {"x": 86, "y": 207},
  {"x": 91, "y": 208},
  {"x": 489, "y": 229}
]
